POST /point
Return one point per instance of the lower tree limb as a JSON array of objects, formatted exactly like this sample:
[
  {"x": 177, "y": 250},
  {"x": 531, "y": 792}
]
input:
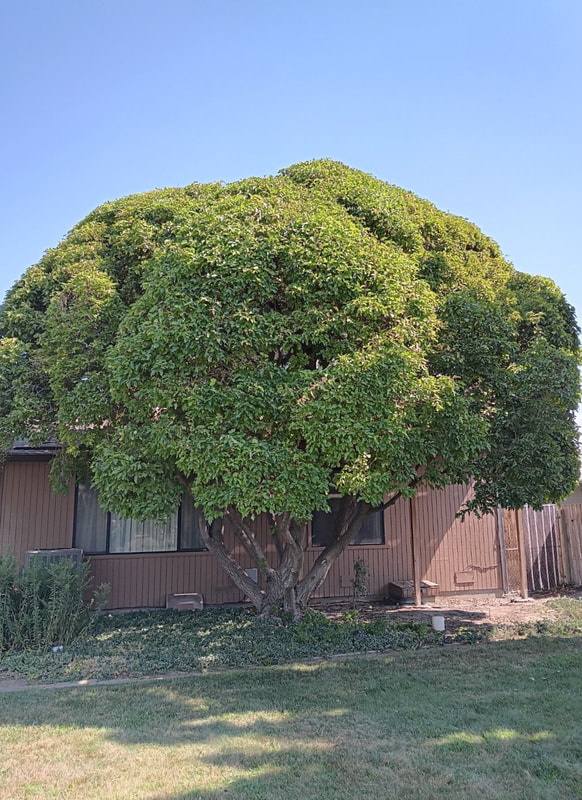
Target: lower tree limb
[
  {"x": 352, "y": 516},
  {"x": 285, "y": 590},
  {"x": 213, "y": 537},
  {"x": 290, "y": 603}
]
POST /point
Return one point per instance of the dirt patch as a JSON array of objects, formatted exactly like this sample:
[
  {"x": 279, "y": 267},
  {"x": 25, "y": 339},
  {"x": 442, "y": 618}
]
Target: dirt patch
[
  {"x": 467, "y": 610},
  {"x": 13, "y": 684}
]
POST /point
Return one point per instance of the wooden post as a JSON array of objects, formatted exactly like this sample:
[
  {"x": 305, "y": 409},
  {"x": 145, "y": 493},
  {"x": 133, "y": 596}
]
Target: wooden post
[
  {"x": 565, "y": 547},
  {"x": 415, "y": 554},
  {"x": 502, "y": 552},
  {"x": 522, "y": 557}
]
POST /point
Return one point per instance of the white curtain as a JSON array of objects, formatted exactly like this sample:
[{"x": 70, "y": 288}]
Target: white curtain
[
  {"x": 90, "y": 522},
  {"x": 131, "y": 536}
]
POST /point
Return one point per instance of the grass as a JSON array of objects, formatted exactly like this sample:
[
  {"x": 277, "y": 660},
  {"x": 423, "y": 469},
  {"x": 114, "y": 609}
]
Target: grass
[{"x": 501, "y": 720}]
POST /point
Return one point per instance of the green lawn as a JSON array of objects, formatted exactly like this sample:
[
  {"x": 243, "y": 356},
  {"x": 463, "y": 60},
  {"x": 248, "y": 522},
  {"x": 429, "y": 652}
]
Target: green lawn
[{"x": 499, "y": 720}]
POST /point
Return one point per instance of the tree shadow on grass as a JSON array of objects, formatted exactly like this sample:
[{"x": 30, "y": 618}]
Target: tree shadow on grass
[{"x": 502, "y": 719}]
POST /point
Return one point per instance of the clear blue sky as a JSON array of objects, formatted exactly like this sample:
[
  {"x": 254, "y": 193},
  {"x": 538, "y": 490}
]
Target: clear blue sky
[{"x": 473, "y": 104}]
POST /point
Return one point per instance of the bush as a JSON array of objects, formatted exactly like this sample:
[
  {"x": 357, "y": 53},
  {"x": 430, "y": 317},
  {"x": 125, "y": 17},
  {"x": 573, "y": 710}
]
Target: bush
[{"x": 43, "y": 604}]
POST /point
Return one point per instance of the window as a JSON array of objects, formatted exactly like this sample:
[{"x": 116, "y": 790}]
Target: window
[
  {"x": 97, "y": 531},
  {"x": 323, "y": 526}
]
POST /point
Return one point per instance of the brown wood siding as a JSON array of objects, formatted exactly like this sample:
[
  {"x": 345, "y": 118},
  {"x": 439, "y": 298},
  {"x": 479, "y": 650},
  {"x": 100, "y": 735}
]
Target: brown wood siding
[
  {"x": 451, "y": 552},
  {"x": 387, "y": 562},
  {"x": 32, "y": 516},
  {"x": 459, "y": 555},
  {"x": 571, "y": 516},
  {"x": 142, "y": 580}
]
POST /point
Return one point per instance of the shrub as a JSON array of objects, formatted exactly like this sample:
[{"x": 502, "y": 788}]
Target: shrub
[{"x": 43, "y": 604}]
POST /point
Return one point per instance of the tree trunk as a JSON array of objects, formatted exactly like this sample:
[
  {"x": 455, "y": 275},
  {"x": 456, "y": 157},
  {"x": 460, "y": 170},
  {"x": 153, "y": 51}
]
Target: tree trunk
[
  {"x": 281, "y": 586},
  {"x": 213, "y": 537},
  {"x": 352, "y": 516},
  {"x": 280, "y": 582},
  {"x": 285, "y": 590}
]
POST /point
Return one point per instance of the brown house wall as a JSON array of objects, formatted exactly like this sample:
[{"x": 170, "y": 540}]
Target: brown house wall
[
  {"x": 143, "y": 579},
  {"x": 388, "y": 562},
  {"x": 451, "y": 551},
  {"x": 459, "y": 555},
  {"x": 32, "y": 516}
]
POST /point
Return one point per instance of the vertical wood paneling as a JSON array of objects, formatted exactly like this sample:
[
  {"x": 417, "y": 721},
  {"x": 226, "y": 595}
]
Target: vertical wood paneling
[
  {"x": 572, "y": 534},
  {"x": 452, "y": 548},
  {"x": 542, "y": 547},
  {"x": 44, "y": 509},
  {"x": 32, "y": 516},
  {"x": 32, "y": 501}
]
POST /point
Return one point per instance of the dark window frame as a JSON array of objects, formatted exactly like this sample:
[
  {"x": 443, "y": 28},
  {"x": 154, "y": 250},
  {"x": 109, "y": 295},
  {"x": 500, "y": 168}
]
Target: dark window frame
[
  {"x": 351, "y": 544},
  {"x": 107, "y": 552}
]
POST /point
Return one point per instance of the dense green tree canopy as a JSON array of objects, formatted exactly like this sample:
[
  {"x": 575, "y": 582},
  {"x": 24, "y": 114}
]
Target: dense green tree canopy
[{"x": 266, "y": 340}]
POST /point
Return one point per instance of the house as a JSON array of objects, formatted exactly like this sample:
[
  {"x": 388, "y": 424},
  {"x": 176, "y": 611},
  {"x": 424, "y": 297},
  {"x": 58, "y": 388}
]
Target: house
[
  {"x": 144, "y": 562},
  {"x": 574, "y": 499}
]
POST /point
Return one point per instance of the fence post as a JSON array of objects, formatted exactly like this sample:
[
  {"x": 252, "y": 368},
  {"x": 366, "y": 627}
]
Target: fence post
[
  {"x": 522, "y": 556},
  {"x": 415, "y": 554},
  {"x": 501, "y": 545},
  {"x": 565, "y": 546}
]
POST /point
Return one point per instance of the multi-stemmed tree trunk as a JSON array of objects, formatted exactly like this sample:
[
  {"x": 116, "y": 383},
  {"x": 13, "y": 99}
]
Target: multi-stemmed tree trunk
[{"x": 286, "y": 588}]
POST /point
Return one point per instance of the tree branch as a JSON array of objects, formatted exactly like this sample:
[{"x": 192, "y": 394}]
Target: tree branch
[
  {"x": 213, "y": 537},
  {"x": 298, "y": 532},
  {"x": 352, "y": 515},
  {"x": 414, "y": 482},
  {"x": 249, "y": 541},
  {"x": 387, "y": 504},
  {"x": 276, "y": 535}
]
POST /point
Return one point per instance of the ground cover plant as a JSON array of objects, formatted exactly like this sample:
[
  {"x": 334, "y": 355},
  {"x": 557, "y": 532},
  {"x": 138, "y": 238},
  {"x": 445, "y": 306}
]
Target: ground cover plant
[
  {"x": 264, "y": 344},
  {"x": 501, "y": 721},
  {"x": 145, "y": 643},
  {"x": 157, "y": 642}
]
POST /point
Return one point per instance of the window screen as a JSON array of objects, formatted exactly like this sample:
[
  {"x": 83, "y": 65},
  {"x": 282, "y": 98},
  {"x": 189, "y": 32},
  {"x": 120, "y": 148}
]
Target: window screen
[
  {"x": 190, "y": 538},
  {"x": 324, "y": 525},
  {"x": 90, "y": 522},
  {"x": 132, "y": 536}
]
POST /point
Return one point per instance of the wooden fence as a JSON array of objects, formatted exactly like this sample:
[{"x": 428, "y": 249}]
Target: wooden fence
[
  {"x": 571, "y": 526},
  {"x": 540, "y": 549},
  {"x": 543, "y": 548}
]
